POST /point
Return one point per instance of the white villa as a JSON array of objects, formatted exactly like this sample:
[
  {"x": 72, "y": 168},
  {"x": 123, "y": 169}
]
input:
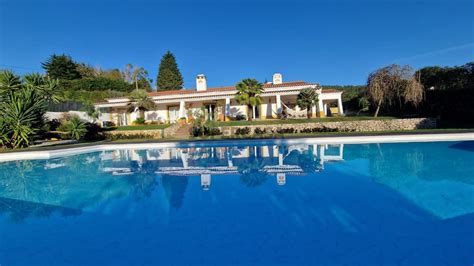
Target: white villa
[{"x": 219, "y": 103}]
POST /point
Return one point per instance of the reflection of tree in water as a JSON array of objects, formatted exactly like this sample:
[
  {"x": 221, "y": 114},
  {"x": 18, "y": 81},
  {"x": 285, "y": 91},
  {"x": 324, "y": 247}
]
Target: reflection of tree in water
[
  {"x": 143, "y": 179},
  {"x": 305, "y": 159},
  {"x": 22, "y": 178},
  {"x": 175, "y": 188},
  {"x": 74, "y": 183},
  {"x": 20, "y": 210},
  {"x": 389, "y": 161},
  {"x": 251, "y": 173}
]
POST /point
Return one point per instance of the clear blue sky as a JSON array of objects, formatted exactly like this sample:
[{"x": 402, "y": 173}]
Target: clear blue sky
[{"x": 331, "y": 42}]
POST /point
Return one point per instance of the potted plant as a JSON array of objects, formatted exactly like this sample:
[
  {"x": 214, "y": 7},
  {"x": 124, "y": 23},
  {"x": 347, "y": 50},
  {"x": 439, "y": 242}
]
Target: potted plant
[{"x": 182, "y": 121}]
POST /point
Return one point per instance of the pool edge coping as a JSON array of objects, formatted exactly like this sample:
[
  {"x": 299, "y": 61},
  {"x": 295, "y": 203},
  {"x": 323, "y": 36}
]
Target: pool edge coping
[{"x": 403, "y": 138}]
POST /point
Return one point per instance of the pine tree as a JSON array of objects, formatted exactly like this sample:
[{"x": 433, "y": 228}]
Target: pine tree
[
  {"x": 169, "y": 76},
  {"x": 61, "y": 67}
]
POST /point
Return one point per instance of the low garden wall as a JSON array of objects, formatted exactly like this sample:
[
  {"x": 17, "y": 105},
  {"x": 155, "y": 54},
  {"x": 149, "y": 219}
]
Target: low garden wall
[
  {"x": 343, "y": 126},
  {"x": 148, "y": 134}
]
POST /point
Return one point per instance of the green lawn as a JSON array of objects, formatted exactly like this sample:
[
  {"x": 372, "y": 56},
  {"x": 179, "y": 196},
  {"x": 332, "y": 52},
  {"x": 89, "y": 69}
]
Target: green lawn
[
  {"x": 298, "y": 121},
  {"x": 142, "y": 127}
]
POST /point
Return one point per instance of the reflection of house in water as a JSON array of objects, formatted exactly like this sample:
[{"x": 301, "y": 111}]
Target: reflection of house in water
[{"x": 274, "y": 160}]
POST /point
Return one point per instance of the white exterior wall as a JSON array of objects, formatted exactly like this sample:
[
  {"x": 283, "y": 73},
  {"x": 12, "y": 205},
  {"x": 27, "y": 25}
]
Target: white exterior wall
[
  {"x": 58, "y": 115},
  {"x": 236, "y": 109},
  {"x": 268, "y": 108},
  {"x": 158, "y": 115}
]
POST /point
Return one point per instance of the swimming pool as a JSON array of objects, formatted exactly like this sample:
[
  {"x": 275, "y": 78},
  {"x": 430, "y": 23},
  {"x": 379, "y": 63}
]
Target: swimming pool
[{"x": 259, "y": 203}]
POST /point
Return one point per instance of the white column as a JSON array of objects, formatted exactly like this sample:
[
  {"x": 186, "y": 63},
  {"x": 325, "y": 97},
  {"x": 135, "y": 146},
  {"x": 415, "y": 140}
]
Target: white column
[
  {"x": 325, "y": 109},
  {"x": 280, "y": 156},
  {"x": 313, "y": 111},
  {"x": 321, "y": 107},
  {"x": 339, "y": 104},
  {"x": 341, "y": 151},
  {"x": 184, "y": 159},
  {"x": 227, "y": 107},
  {"x": 182, "y": 110},
  {"x": 278, "y": 104},
  {"x": 229, "y": 158},
  {"x": 321, "y": 156},
  {"x": 315, "y": 150}
]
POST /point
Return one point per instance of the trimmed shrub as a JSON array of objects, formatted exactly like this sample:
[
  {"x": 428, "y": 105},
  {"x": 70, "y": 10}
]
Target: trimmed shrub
[
  {"x": 260, "y": 131},
  {"x": 286, "y": 130},
  {"x": 242, "y": 131},
  {"x": 94, "y": 132},
  {"x": 139, "y": 121},
  {"x": 240, "y": 117}
]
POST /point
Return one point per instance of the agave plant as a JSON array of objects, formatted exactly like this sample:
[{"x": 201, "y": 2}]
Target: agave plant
[{"x": 75, "y": 127}]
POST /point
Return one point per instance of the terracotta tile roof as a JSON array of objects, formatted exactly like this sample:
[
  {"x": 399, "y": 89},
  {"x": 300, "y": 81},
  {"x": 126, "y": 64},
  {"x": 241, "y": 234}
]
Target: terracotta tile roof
[
  {"x": 329, "y": 90},
  {"x": 223, "y": 89},
  {"x": 229, "y": 88}
]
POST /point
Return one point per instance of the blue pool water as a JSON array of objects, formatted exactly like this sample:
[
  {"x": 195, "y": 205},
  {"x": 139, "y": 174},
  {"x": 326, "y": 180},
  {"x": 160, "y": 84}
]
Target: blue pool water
[{"x": 374, "y": 204}]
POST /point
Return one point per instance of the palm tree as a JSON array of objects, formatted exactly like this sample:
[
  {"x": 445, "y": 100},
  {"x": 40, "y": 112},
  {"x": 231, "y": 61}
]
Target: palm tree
[
  {"x": 306, "y": 99},
  {"x": 248, "y": 93},
  {"x": 139, "y": 100}
]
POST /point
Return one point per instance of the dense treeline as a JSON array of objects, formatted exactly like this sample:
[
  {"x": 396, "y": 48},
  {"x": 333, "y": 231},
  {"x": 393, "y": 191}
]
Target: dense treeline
[
  {"x": 448, "y": 94},
  {"x": 84, "y": 83}
]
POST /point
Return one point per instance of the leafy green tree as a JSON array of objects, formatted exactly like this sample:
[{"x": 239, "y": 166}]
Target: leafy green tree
[
  {"x": 86, "y": 70},
  {"x": 139, "y": 100},
  {"x": 95, "y": 84},
  {"x": 112, "y": 74},
  {"x": 61, "y": 67},
  {"x": 169, "y": 77},
  {"x": 248, "y": 93},
  {"x": 306, "y": 99},
  {"x": 447, "y": 78},
  {"x": 91, "y": 112}
]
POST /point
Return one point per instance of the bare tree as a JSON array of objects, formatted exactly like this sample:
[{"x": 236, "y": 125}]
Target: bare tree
[
  {"x": 394, "y": 83},
  {"x": 138, "y": 73},
  {"x": 127, "y": 73}
]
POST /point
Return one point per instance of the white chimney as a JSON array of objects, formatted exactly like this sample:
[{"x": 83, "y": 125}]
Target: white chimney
[
  {"x": 277, "y": 78},
  {"x": 201, "y": 84}
]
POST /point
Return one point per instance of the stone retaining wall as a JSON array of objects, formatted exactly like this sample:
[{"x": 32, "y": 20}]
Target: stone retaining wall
[
  {"x": 343, "y": 126},
  {"x": 149, "y": 133}
]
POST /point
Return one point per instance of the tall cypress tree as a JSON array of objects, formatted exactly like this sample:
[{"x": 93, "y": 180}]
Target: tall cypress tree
[
  {"x": 169, "y": 76},
  {"x": 61, "y": 67}
]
